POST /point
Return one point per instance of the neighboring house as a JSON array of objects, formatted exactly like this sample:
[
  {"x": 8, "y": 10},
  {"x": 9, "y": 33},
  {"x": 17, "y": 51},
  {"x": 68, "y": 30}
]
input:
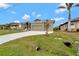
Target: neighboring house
[
  {"x": 36, "y": 25},
  {"x": 2, "y": 27},
  {"x": 74, "y": 25},
  {"x": 6, "y": 26},
  {"x": 15, "y": 26},
  {"x": 24, "y": 25}
]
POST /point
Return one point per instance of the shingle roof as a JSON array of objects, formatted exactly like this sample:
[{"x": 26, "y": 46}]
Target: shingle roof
[{"x": 73, "y": 20}]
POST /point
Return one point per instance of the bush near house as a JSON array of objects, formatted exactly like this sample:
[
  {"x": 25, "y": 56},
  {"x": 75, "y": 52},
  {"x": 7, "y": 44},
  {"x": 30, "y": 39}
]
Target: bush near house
[
  {"x": 56, "y": 28},
  {"x": 77, "y": 29}
]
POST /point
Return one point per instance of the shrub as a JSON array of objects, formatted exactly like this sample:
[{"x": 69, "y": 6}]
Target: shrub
[
  {"x": 56, "y": 28},
  {"x": 78, "y": 29}
]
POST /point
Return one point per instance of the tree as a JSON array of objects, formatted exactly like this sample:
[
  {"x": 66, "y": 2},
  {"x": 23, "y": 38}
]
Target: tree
[
  {"x": 47, "y": 26},
  {"x": 68, "y": 6},
  {"x": 28, "y": 24},
  {"x": 37, "y": 20}
]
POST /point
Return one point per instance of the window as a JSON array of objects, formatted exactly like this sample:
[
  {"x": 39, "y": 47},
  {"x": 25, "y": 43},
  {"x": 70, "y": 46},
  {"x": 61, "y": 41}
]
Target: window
[{"x": 72, "y": 24}]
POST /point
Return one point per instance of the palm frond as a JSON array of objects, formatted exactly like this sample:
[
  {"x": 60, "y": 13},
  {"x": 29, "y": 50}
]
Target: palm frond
[
  {"x": 61, "y": 7},
  {"x": 77, "y": 5},
  {"x": 69, "y": 5}
]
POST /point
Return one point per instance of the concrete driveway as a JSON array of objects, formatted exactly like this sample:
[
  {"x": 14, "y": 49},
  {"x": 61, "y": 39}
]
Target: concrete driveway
[{"x": 9, "y": 37}]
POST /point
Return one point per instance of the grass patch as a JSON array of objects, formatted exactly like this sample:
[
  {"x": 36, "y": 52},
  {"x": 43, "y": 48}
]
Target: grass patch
[
  {"x": 49, "y": 46},
  {"x": 3, "y": 32}
]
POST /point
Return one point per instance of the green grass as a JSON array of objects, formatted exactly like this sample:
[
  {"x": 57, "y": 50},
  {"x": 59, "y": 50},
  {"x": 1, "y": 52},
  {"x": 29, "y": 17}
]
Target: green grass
[
  {"x": 3, "y": 32},
  {"x": 49, "y": 46}
]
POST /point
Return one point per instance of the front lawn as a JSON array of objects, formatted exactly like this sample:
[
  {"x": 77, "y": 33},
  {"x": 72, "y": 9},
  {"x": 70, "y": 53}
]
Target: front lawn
[
  {"x": 51, "y": 45},
  {"x": 3, "y": 32}
]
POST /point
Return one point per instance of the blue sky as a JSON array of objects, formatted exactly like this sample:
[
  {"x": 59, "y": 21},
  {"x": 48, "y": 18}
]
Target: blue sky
[{"x": 22, "y": 12}]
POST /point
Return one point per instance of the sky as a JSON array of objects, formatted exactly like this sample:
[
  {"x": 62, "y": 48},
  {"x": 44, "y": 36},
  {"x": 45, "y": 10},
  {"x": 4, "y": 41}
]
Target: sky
[{"x": 23, "y": 12}]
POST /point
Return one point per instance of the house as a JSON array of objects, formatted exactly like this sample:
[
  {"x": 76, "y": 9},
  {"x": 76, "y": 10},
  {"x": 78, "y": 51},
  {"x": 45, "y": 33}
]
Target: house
[
  {"x": 37, "y": 25},
  {"x": 2, "y": 27},
  {"x": 5, "y": 26},
  {"x": 15, "y": 26},
  {"x": 26, "y": 25},
  {"x": 40, "y": 26},
  {"x": 74, "y": 25}
]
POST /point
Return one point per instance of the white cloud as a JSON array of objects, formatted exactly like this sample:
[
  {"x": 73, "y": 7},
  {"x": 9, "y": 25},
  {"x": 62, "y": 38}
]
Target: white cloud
[
  {"x": 39, "y": 15},
  {"x": 60, "y": 10},
  {"x": 33, "y": 13},
  {"x": 26, "y": 16},
  {"x": 4, "y": 5},
  {"x": 62, "y": 4},
  {"x": 51, "y": 19},
  {"x": 13, "y": 12},
  {"x": 36, "y": 15},
  {"x": 59, "y": 18},
  {"x": 16, "y": 21}
]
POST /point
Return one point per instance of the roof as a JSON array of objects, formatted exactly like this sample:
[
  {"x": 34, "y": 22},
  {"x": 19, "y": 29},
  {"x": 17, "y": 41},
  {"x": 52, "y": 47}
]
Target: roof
[
  {"x": 42, "y": 21},
  {"x": 73, "y": 20}
]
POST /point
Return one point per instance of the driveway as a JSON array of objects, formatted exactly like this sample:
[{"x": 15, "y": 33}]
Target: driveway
[{"x": 9, "y": 37}]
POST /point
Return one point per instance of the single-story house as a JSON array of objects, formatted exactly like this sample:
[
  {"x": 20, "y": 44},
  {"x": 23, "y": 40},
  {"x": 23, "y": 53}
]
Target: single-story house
[
  {"x": 24, "y": 25},
  {"x": 14, "y": 26},
  {"x": 74, "y": 25},
  {"x": 5, "y": 26},
  {"x": 40, "y": 26},
  {"x": 37, "y": 25}
]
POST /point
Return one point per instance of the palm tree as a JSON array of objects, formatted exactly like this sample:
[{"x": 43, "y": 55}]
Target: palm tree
[
  {"x": 68, "y": 6},
  {"x": 47, "y": 26}
]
